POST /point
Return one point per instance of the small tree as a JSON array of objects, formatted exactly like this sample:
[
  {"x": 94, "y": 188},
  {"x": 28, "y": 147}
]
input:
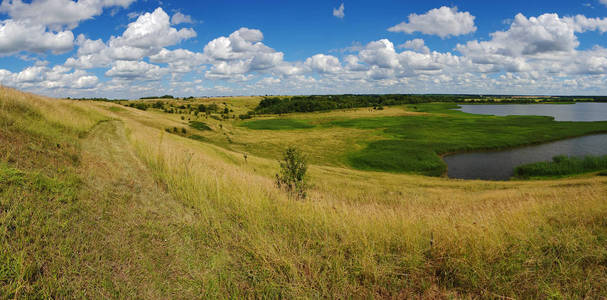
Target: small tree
[{"x": 292, "y": 176}]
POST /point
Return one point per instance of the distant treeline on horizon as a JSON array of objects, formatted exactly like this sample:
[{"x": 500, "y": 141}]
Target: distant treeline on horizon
[
  {"x": 288, "y": 104},
  {"x": 281, "y": 105}
]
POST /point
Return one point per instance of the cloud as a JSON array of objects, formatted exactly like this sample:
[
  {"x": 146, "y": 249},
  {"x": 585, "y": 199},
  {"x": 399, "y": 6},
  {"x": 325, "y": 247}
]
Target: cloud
[
  {"x": 135, "y": 70},
  {"x": 546, "y": 34},
  {"x": 444, "y": 22},
  {"x": 152, "y": 30},
  {"x": 339, "y": 12},
  {"x": 239, "y": 53},
  {"x": 537, "y": 53},
  {"x": 546, "y": 44},
  {"x": 581, "y": 23},
  {"x": 416, "y": 44},
  {"x": 604, "y": 2},
  {"x": 146, "y": 36},
  {"x": 323, "y": 63},
  {"x": 57, "y": 14},
  {"x": 179, "y": 18},
  {"x": 43, "y": 77},
  {"x": 17, "y": 37},
  {"x": 179, "y": 60},
  {"x": 45, "y": 25}
]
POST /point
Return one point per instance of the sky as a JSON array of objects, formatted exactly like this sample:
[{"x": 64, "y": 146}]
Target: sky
[{"x": 137, "y": 48}]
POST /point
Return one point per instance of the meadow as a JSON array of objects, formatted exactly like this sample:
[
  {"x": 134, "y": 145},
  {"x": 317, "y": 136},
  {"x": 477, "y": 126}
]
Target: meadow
[
  {"x": 98, "y": 200},
  {"x": 414, "y": 144}
]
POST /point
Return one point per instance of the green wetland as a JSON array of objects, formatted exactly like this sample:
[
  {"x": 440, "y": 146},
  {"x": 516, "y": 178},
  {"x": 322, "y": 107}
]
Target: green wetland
[{"x": 416, "y": 143}]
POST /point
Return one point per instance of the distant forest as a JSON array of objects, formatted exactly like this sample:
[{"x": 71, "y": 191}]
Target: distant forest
[{"x": 281, "y": 105}]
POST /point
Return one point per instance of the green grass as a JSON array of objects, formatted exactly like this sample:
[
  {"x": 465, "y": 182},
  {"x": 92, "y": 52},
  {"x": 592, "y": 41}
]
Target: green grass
[
  {"x": 200, "y": 126},
  {"x": 37, "y": 232},
  {"x": 198, "y": 138},
  {"x": 116, "y": 109},
  {"x": 276, "y": 124},
  {"x": 414, "y": 143},
  {"x": 562, "y": 166}
]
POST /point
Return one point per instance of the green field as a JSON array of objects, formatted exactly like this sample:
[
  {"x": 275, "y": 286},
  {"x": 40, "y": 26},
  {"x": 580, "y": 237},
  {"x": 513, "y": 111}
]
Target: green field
[
  {"x": 413, "y": 144},
  {"x": 99, "y": 200}
]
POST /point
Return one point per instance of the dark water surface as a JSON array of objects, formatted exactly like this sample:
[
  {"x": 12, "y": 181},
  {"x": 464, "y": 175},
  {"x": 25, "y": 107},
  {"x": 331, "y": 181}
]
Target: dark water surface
[
  {"x": 499, "y": 165},
  {"x": 579, "y": 112}
]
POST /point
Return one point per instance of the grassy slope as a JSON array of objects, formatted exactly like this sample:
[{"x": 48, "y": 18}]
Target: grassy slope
[{"x": 153, "y": 215}]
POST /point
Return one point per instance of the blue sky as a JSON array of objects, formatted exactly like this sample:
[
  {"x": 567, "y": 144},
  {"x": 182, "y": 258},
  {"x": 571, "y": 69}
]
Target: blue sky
[{"x": 130, "y": 48}]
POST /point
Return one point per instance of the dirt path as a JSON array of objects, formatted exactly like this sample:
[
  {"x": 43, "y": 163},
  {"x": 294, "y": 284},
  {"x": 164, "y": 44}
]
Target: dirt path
[{"x": 145, "y": 246}]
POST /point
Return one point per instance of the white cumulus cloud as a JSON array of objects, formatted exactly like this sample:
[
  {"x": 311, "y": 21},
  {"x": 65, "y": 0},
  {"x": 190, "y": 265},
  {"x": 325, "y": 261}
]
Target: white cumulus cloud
[
  {"x": 179, "y": 18},
  {"x": 57, "y": 14},
  {"x": 443, "y": 21},
  {"x": 17, "y": 36},
  {"x": 416, "y": 44}
]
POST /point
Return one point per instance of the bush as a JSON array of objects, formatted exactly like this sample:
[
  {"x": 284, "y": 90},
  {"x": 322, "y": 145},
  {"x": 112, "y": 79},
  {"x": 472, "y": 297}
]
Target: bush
[
  {"x": 292, "y": 176},
  {"x": 199, "y": 125},
  {"x": 212, "y": 107},
  {"x": 562, "y": 165}
]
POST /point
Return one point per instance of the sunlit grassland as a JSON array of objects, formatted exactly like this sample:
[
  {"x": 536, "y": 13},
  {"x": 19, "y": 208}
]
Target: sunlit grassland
[
  {"x": 379, "y": 234},
  {"x": 413, "y": 143},
  {"x": 224, "y": 230}
]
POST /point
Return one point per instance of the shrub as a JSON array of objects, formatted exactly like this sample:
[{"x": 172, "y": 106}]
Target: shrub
[
  {"x": 212, "y": 107},
  {"x": 563, "y": 165},
  {"x": 292, "y": 176},
  {"x": 199, "y": 125}
]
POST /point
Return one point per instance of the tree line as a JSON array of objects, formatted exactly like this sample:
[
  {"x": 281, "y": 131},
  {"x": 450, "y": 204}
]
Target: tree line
[{"x": 281, "y": 105}]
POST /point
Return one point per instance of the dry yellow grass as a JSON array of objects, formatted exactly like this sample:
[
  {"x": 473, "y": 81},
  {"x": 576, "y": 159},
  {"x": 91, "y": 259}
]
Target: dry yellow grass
[{"x": 359, "y": 234}]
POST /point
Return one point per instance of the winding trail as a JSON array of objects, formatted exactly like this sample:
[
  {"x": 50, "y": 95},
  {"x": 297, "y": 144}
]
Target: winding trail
[{"x": 145, "y": 247}]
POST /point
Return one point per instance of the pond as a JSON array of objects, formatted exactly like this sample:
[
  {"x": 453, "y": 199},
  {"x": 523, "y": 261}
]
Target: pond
[
  {"x": 579, "y": 112},
  {"x": 499, "y": 165}
]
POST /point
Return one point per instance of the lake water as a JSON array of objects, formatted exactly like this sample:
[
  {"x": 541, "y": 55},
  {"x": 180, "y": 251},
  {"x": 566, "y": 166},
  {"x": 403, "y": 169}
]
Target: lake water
[
  {"x": 499, "y": 165},
  {"x": 581, "y": 112}
]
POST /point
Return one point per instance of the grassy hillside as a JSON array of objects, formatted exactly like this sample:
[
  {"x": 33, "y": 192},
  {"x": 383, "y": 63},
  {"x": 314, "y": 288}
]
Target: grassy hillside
[{"x": 98, "y": 200}]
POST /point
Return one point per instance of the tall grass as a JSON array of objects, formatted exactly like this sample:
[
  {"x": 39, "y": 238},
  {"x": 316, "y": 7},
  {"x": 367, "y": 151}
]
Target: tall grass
[
  {"x": 233, "y": 234},
  {"x": 347, "y": 241},
  {"x": 563, "y": 165}
]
